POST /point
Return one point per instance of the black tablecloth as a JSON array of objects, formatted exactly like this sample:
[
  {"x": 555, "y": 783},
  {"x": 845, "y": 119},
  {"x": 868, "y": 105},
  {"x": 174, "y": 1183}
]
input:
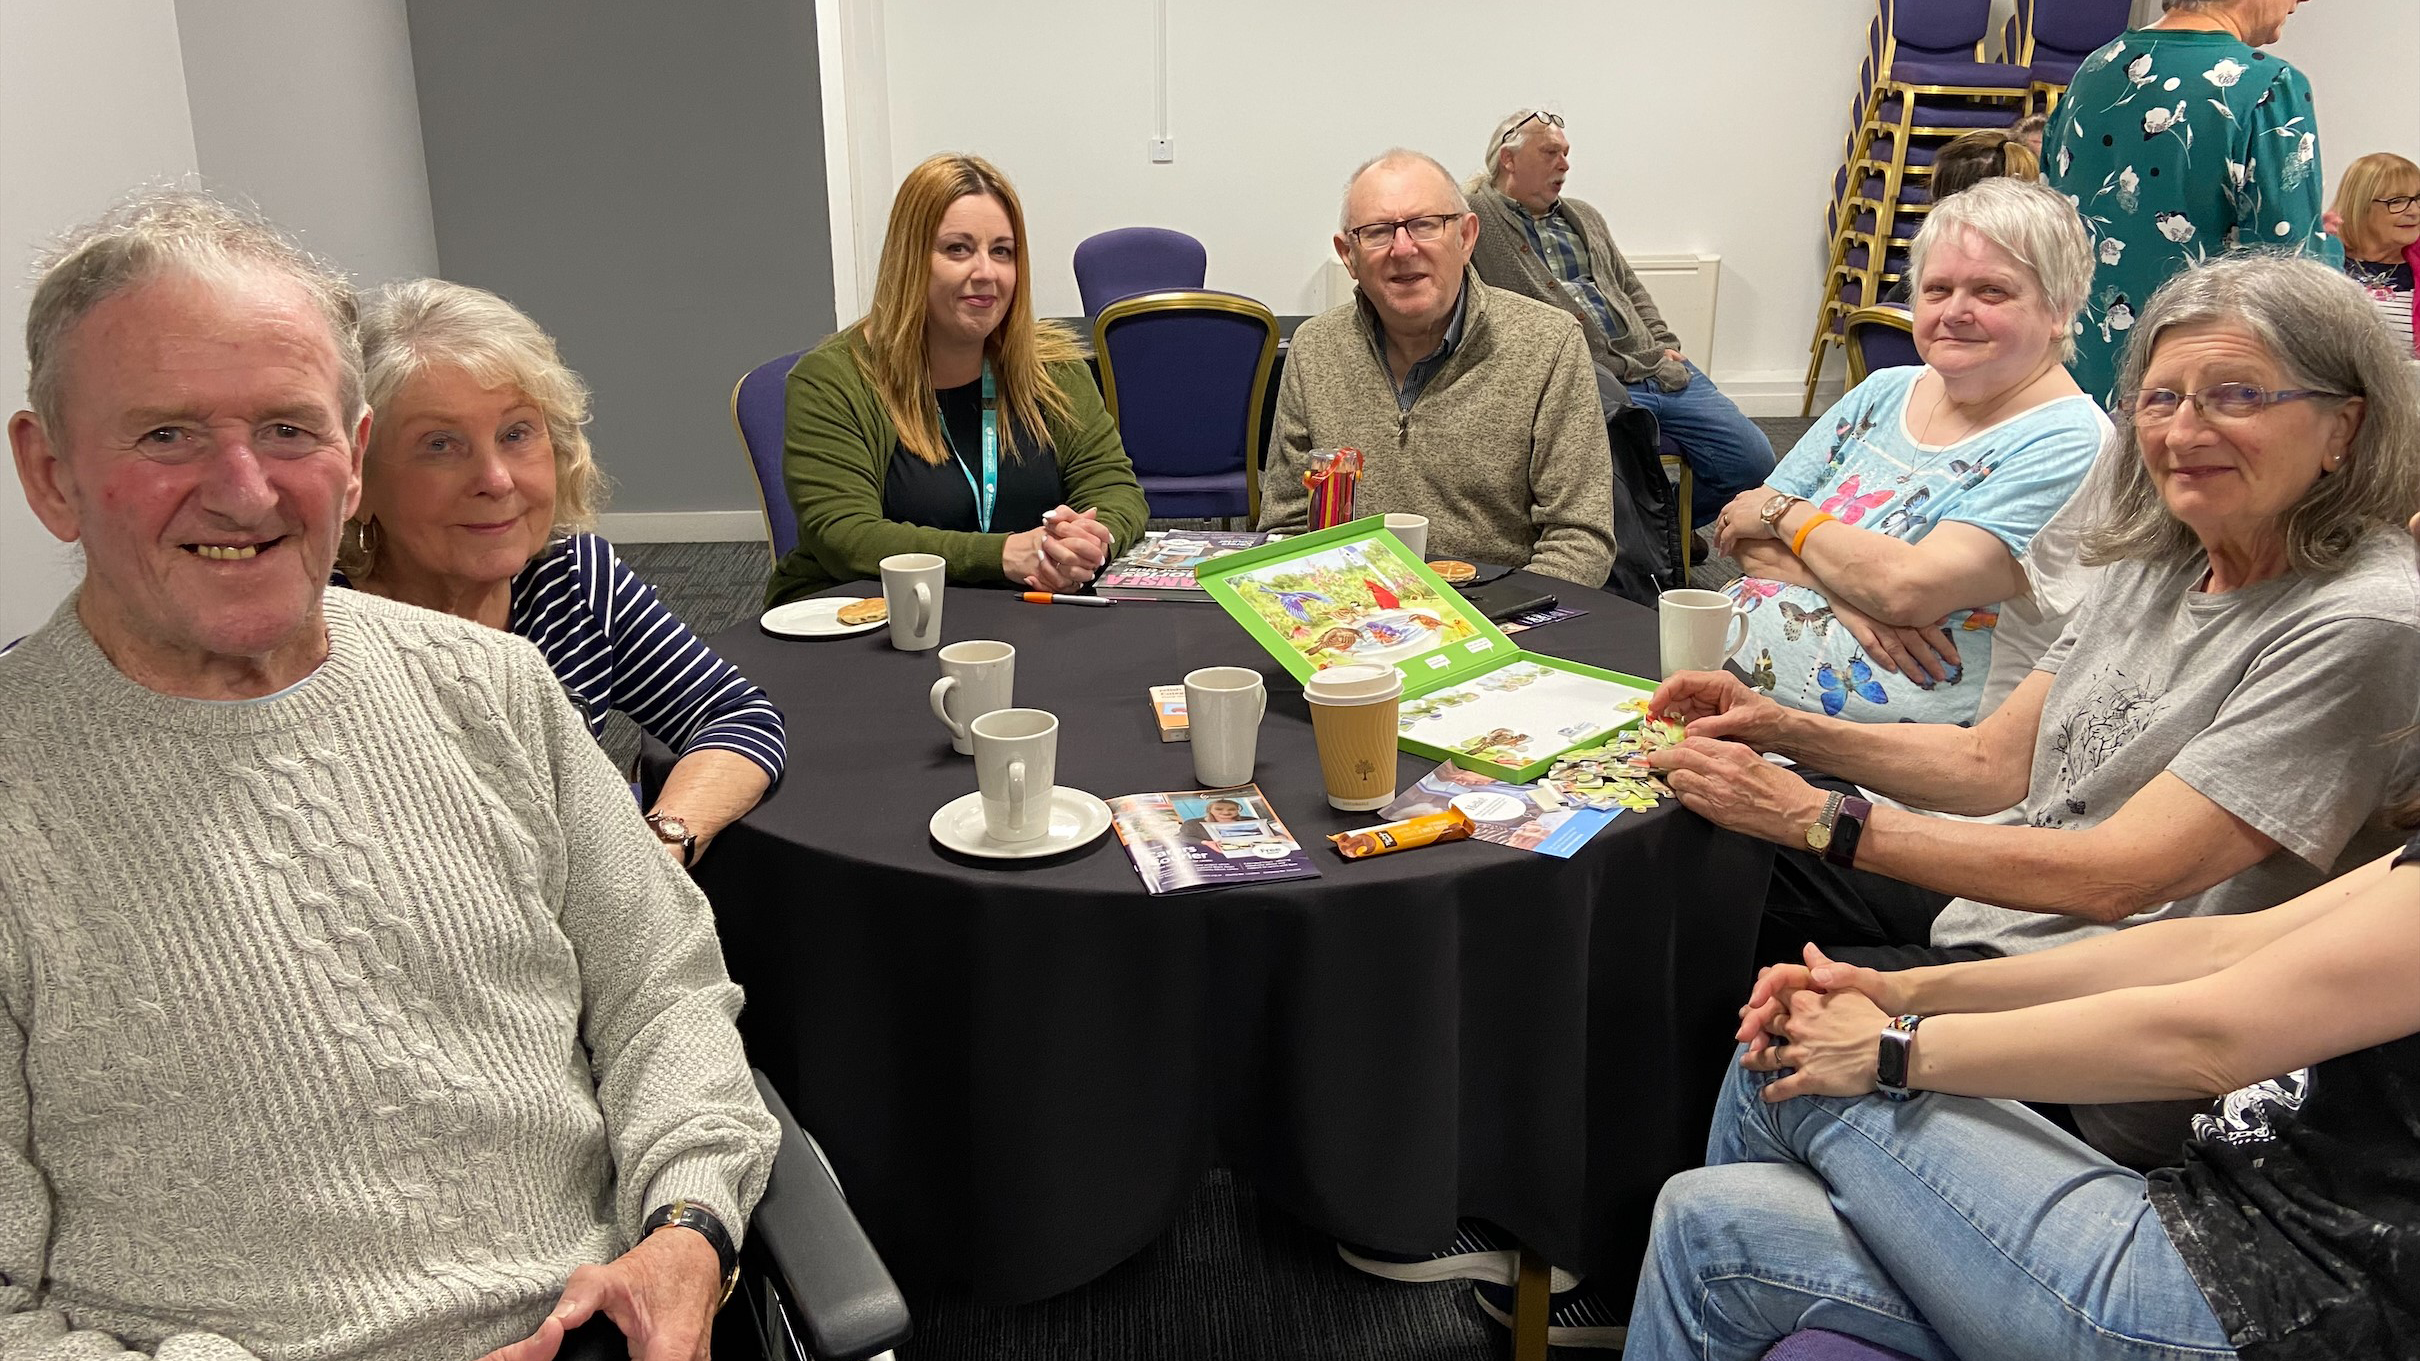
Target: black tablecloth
[{"x": 1021, "y": 1070}]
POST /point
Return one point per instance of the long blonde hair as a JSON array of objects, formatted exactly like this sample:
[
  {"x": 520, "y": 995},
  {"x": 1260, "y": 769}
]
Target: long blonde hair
[{"x": 888, "y": 342}]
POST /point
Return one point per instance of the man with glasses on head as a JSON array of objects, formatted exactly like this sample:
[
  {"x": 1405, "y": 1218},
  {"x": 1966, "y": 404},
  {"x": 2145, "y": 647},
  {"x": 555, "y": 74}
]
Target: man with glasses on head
[
  {"x": 1535, "y": 242},
  {"x": 1470, "y": 406}
]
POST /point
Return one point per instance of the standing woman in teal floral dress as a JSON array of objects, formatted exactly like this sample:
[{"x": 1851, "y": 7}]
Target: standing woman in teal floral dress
[{"x": 2179, "y": 142}]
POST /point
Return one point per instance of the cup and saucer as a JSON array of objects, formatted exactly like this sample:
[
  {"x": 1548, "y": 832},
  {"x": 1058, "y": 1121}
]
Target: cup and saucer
[{"x": 1076, "y": 818}]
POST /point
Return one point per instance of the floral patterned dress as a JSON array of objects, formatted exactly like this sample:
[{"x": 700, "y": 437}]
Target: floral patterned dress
[{"x": 2176, "y": 145}]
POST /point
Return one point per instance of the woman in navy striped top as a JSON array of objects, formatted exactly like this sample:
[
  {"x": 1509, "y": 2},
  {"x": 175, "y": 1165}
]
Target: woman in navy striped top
[{"x": 477, "y": 496}]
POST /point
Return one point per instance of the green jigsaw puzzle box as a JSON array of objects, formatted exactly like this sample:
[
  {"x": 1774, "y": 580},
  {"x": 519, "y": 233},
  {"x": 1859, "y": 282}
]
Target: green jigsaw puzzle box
[{"x": 1354, "y": 593}]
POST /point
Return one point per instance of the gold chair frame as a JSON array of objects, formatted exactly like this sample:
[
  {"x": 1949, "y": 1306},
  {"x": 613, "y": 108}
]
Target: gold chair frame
[
  {"x": 1890, "y": 317},
  {"x": 1199, "y": 300}
]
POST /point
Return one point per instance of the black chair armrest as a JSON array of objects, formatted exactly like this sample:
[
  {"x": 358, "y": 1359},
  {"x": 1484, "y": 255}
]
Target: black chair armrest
[{"x": 845, "y": 1298}]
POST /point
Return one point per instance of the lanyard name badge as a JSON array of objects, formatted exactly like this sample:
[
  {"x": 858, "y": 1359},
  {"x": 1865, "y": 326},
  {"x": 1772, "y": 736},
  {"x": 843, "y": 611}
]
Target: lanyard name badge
[{"x": 988, "y": 494}]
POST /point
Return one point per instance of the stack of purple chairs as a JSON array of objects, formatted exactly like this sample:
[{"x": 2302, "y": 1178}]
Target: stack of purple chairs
[
  {"x": 1925, "y": 81},
  {"x": 2052, "y": 38}
]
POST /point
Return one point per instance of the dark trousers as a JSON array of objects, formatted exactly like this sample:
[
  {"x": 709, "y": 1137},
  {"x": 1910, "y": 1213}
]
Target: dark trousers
[{"x": 1856, "y": 916}]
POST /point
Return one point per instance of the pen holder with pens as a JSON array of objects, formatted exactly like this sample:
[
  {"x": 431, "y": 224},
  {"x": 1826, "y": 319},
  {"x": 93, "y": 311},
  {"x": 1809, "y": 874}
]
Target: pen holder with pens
[{"x": 1333, "y": 475}]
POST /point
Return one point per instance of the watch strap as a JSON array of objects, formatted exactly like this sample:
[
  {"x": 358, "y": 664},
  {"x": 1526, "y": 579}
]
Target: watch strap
[
  {"x": 1819, "y": 836},
  {"x": 1848, "y": 829},
  {"x": 688, "y": 1214}
]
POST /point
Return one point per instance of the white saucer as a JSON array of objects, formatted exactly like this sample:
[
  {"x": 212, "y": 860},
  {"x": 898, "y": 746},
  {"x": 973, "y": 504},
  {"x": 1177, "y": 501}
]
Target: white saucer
[
  {"x": 1075, "y": 818},
  {"x": 817, "y": 618}
]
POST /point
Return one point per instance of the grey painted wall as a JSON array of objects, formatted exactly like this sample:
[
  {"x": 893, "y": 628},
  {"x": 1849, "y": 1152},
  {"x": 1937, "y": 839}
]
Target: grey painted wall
[{"x": 647, "y": 181}]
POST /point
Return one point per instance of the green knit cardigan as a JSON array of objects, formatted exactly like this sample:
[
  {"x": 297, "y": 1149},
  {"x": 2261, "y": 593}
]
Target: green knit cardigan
[{"x": 838, "y": 450}]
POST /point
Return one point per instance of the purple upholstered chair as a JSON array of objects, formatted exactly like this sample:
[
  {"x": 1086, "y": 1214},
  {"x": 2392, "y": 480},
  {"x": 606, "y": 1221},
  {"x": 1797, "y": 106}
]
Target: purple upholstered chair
[
  {"x": 1130, "y": 260},
  {"x": 1936, "y": 42},
  {"x": 1880, "y": 338},
  {"x": 2061, "y": 33},
  {"x": 759, "y": 408},
  {"x": 1185, "y": 373},
  {"x": 1817, "y": 1344}
]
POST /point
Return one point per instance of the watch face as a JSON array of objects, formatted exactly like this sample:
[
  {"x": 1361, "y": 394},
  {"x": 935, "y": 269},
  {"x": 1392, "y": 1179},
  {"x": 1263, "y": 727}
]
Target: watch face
[
  {"x": 1819, "y": 836},
  {"x": 671, "y": 829}
]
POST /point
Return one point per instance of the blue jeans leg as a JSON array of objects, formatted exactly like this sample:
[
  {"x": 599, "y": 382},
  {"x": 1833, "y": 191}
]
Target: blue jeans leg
[
  {"x": 1724, "y": 448},
  {"x": 1945, "y": 1227}
]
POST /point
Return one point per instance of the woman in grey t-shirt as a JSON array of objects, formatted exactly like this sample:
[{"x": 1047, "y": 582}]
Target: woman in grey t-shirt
[{"x": 2214, "y": 729}]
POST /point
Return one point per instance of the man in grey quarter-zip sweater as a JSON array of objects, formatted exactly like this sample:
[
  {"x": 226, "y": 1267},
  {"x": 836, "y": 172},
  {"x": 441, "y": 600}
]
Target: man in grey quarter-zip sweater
[{"x": 1472, "y": 406}]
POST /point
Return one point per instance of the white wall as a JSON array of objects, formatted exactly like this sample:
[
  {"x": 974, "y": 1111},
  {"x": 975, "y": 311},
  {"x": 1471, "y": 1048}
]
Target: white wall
[
  {"x": 310, "y": 111},
  {"x": 92, "y": 103},
  {"x": 1696, "y": 128}
]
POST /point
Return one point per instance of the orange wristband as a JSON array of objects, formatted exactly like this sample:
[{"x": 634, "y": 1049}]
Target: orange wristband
[{"x": 1798, "y": 541}]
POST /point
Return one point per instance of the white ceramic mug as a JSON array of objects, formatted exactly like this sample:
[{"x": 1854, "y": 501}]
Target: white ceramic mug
[
  {"x": 1699, "y": 629},
  {"x": 976, "y": 678},
  {"x": 1223, "y": 709},
  {"x": 911, "y": 586},
  {"x": 1413, "y": 531},
  {"x": 1016, "y": 759}
]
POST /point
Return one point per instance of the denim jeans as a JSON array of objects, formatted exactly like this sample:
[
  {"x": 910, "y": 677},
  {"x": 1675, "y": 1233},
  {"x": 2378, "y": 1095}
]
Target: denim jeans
[
  {"x": 1724, "y": 449},
  {"x": 1949, "y": 1228}
]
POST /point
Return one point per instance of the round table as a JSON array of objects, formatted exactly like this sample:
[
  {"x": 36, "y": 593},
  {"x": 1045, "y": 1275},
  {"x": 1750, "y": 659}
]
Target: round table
[{"x": 1022, "y": 1069}]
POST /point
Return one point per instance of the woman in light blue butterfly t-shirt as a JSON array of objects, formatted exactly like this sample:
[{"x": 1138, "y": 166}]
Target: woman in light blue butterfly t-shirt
[{"x": 1884, "y": 553}]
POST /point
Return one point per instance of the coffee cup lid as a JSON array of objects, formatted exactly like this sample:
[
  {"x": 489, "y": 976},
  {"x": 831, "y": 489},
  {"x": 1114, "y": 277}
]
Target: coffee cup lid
[{"x": 1357, "y": 683}]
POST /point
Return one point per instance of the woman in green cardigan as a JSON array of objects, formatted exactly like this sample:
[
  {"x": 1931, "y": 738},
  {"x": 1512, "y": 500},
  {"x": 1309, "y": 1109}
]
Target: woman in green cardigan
[{"x": 947, "y": 420}]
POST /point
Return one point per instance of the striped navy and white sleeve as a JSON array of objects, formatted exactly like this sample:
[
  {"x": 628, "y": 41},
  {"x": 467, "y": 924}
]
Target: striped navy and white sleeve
[{"x": 657, "y": 671}]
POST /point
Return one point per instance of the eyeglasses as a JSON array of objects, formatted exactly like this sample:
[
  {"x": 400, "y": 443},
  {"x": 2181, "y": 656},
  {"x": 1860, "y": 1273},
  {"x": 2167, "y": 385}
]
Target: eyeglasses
[
  {"x": 2398, "y": 203},
  {"x": 1552, "y": 120},
  {"x": 1380, "y": 235},
  {"x": 2229, "y": 401}
]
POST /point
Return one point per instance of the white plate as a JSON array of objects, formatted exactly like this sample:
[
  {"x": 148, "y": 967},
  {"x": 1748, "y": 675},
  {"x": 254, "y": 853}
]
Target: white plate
[
  {"x": 1075, "y": 818},
  {"x": 817, "y": 618}
]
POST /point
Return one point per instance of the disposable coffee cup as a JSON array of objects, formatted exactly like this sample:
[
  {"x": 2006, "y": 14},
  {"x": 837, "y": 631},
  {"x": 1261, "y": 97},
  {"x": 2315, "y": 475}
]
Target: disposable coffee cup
[
  {"x": 911, "y": 586},
  {"x": 1016, "y": 759},
  {"x": 1353, "y": 712},
  {"x": 1699, "y": 630},
  {"x": 1413, "y": 531},
  {"x": 1223, "y": 709},
  {"x": 976, "y": 678}
]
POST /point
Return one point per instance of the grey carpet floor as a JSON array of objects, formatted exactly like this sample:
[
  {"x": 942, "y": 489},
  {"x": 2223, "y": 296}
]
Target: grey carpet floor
[{"x": 1232, "y": 1277}]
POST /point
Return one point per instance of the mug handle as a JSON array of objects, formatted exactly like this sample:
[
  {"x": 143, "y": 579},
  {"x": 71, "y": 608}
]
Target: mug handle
[
  {"x": 1263, "y": 711},
  {"x": 941, "y": 689},
  {"x": 924, "y": 608},
  {"x": 1735, "y": 635},
  {"x": 1016, "y": 794}
]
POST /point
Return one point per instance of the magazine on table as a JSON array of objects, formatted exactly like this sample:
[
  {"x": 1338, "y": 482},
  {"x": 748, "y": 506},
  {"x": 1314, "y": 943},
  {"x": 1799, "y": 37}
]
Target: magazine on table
[
  {"x": 1207, "y": 838},
  {"x": 1160, "y": 565}
]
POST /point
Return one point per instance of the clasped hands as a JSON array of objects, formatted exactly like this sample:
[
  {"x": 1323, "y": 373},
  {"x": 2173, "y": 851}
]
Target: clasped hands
[
  {"x": 1068, "y": 550},
  {"x": 662, "y": 1294},
  {"x": 1820, "y": 1021}
]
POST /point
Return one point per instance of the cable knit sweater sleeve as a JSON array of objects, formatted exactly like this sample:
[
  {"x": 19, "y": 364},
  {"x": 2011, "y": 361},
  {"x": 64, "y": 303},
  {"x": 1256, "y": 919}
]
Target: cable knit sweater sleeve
[{"x": 657, "y": 1005}]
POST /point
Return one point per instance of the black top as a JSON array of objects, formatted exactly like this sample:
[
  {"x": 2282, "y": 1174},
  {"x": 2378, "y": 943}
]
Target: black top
[
  {"x": 937, "y": 495},
  {"x": 2298, "y": 1207}
]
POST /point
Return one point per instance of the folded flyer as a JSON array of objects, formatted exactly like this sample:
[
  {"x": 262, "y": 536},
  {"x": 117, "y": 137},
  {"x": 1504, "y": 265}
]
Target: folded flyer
[
  {"x": 1207, "y": 838},
  {"x": 1527, "y": 817},
  {"x": 1160, "y": 566}
]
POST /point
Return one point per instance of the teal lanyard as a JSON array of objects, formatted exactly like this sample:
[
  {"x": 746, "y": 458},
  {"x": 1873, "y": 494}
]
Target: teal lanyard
[{"x": 987, "y": 495}]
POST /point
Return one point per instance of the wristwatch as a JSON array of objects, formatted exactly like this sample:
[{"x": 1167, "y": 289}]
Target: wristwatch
[
  {"x": 1819, "y": 836},
  {"x": 688, "y": 1214},
  {"x": 1893, "y": 1058},
  {"x": 1776, "y": 506},
  {"x": 673, "y": 831},
  {"x": 1848, "y": 828}
]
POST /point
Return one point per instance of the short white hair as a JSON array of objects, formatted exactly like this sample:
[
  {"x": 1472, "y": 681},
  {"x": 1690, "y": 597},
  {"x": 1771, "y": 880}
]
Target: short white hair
[
  {"x": 1391, "y": 157},
  {"x": 1512, "y": 134},
  {"x": 161, "y": 232},
  {"x": 2035, "y": 224}
]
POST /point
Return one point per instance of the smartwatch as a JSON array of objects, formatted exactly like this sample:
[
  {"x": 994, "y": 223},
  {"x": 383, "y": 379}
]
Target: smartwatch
[
  {"x": 1895, "y": 1056},
  {"x": 688, "y": 1214},
  {"x": 1848, "y": 828}
]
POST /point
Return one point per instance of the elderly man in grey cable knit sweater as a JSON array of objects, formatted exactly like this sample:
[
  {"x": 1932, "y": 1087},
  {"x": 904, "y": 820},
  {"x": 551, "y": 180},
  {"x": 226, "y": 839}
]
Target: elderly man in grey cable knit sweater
[
  {"x": 1474, "y": 407},
  {"x": 347, "y": 1008}
]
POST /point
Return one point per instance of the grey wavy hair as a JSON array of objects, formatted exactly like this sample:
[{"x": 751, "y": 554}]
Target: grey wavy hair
[
  {"x": 165, "y": 231},
  {"x": 2321, "y": 329},
  {"x": 1491, "y": 166},
  {"x": 1396, "y": 156},
  {"x": 2031, "y": 221},
  {"x": 413, "y": 327}
]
